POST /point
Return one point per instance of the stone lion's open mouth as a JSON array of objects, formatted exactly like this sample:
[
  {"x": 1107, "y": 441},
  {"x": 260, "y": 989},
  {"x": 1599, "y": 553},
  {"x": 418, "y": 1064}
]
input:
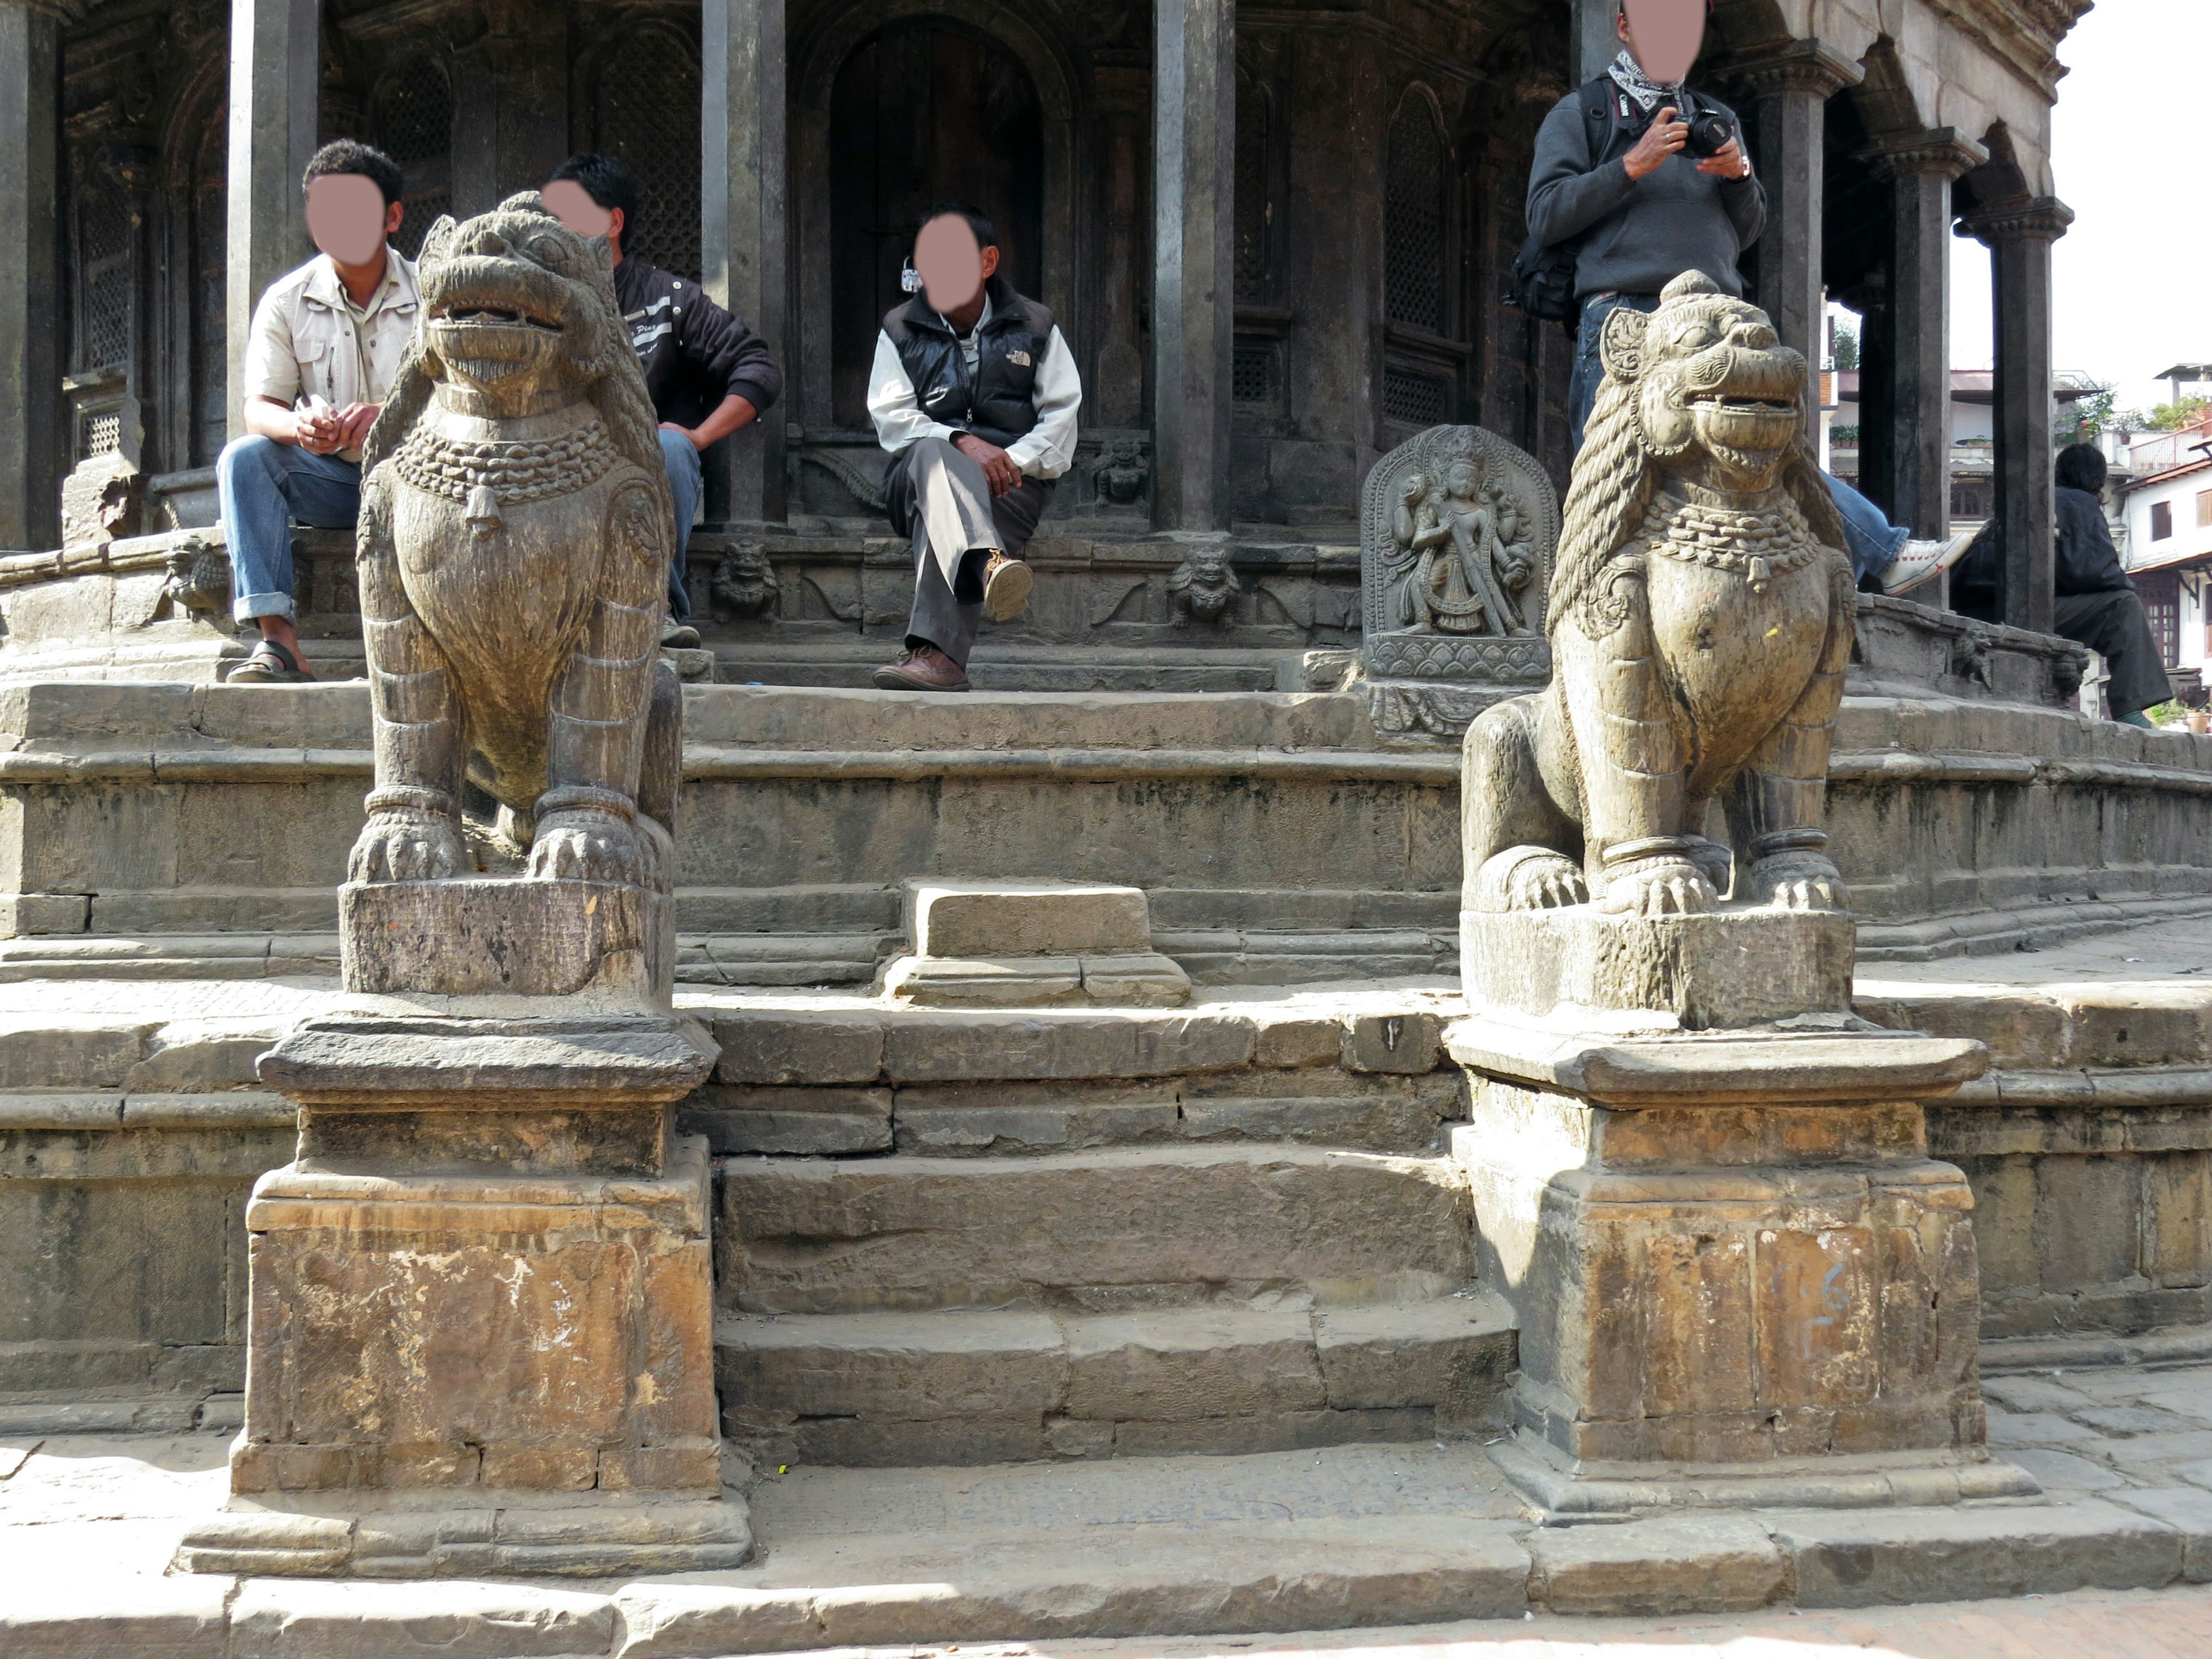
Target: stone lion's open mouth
[
  {"x": 481, "y": 316},
  {"x": 1746, "y": 405}
]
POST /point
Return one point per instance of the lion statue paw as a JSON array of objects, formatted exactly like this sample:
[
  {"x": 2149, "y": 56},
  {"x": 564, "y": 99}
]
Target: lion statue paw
[
  {"x": 406, "y": 844},
  {"x": 585, "y": 844},
  {"x": 1659, "y": 887},
  {"x": 1798, "y": 881},
  {"x": 1530, "y": 879}
]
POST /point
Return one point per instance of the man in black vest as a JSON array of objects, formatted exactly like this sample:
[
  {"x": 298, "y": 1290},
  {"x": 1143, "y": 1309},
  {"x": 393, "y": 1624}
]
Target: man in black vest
[{"x": 974, "y": 394}]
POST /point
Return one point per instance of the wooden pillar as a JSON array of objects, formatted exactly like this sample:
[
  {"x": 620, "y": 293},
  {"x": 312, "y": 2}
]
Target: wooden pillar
[
  {"x": 31, "y": 435},
  {"x": 745, "y": 233},
  {"x": 1915, "y": 487},
  {"x": 1789, "y": 92},
  {"x": 1194, "y": 260},
  {"x": 275, "y": 55},
  {"x": 2019, "y": 235}
]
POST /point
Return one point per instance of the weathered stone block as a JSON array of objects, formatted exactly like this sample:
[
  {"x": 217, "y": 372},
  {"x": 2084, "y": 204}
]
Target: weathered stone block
[
  {"x": 774, "y": 1047},
  {"x": 2139, "y": 1025},
  {"x": 506, "y": 935},
  {"x": 1694, "y": 1563},
  {"x": 1017, "y": 1046},
  {"x": 297, "y": 1619},
  {"x": 1454, "y": 1352},
  {"x": 1205, "y": 1363},
  {"x": 1171, "y": 1224},
  {"x": 1031, "y": 982},
  {"x": 1289, "y": 1043},
  {"x": 22, "y": 914},
  {"x": 895, "y": 1367},
  {"x": 1404, "y": 1043},
  {"x": 1726, "y": 967},
  {"x": 2188, "y": 1511},
  {"x": 1027, "y": 918},
  {"x": 1848, "y": 1558}
]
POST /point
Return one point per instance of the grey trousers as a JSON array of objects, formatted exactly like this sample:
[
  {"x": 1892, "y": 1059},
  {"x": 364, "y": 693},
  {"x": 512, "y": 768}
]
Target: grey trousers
[
  {"x": 2114, "y": 627},
  {"x": 941, "y": 499}
]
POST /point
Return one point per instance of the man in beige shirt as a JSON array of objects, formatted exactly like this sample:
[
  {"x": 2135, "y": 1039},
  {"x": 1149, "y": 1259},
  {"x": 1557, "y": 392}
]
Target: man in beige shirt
[{"x": 326, "y": 347}]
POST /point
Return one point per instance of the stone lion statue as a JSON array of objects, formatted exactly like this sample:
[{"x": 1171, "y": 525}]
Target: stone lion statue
[
  {"x": 1701, "y": 619},
  {"x": 515, "y": 542}
]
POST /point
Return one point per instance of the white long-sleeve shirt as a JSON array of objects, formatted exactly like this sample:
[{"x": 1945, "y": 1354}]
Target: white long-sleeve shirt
[{"x": 1046, "y": 451}]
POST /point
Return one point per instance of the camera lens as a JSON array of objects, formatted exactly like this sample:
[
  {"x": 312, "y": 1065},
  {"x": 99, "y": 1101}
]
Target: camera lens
[{"x": 1708, "y": 133}]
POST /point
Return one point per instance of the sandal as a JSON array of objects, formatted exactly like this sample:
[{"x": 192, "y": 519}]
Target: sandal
[{"x": 270, "y": 664}]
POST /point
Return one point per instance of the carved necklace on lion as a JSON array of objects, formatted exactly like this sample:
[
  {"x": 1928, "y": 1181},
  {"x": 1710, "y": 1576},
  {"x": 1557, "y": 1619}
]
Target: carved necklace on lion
[
  {"x": 1761, "y": 545},
  {"x": 485, "y": 473}
]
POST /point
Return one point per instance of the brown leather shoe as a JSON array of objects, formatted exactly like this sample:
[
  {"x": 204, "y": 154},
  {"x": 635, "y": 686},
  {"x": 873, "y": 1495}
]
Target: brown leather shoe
[
  {"x": 1007, "y": 584},
  {"x": 926, "y": 670}
]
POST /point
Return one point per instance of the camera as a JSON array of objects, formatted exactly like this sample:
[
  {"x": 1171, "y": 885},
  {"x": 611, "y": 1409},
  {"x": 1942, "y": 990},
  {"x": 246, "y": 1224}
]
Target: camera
[{"x": 1709, "y": 133}]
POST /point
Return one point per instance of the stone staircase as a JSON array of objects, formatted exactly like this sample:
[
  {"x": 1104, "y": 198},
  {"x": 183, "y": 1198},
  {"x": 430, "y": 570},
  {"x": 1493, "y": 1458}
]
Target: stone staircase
[{"x": 1225, "y": 1229}]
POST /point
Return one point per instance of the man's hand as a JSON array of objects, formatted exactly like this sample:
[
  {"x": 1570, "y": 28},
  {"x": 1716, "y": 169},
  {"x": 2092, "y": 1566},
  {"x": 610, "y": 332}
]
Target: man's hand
[
  {"x": 696, "y": 441},
  {"x": 319, "y": 430},
  {"x": 1728, "y": 161},
  {"x": 998, "y": 468},
  {"x": 354, "y": 423},
  {"x": 1665, "y": 137}
]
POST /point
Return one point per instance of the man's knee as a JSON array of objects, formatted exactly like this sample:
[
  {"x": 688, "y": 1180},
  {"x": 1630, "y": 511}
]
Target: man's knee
[
  {"x": 679, "y": 454},
  {"x": 249, "y": 457}
]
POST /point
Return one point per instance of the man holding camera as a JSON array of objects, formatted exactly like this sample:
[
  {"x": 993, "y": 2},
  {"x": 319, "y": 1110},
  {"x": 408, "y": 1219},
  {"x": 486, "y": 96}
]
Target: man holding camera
[
  {"x": 1645, "y": 178},
  {"x": 975, "y": 393}
]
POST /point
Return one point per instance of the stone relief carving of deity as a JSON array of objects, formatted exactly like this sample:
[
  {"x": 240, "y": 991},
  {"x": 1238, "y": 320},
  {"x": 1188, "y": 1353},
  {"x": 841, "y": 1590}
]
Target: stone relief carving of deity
[{"x": 1457, "y": 537}]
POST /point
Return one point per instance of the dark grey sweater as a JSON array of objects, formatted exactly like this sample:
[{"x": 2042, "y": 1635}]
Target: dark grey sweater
[{"x": 1644, "y": 233}]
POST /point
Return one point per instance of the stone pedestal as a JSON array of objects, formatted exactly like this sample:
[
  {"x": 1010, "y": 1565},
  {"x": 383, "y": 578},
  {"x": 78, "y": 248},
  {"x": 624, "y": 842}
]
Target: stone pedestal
[
  {"x": 1739, "y": 1276},
  {"x": 480, "y": 1331},
  {"x": 480, "y": 1336},
  {"x": 1032, "y": 945}
]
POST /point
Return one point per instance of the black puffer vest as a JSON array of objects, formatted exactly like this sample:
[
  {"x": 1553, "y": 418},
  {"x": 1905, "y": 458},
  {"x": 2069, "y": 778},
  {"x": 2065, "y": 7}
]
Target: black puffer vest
[{"x": 1010, "y": 346}]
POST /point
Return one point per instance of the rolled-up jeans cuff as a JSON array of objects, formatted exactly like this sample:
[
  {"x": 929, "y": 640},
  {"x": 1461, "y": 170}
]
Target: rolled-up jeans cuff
[{"x": 248, "y": 607}]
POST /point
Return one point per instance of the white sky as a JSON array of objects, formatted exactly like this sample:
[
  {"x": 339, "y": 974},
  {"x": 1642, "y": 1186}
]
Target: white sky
[{"x": 2133, "y": 277}]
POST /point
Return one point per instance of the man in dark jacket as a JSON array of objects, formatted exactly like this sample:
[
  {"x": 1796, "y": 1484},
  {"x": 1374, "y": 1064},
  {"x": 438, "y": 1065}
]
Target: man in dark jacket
[
  {"x": 974, "y": 394},
  {"x": 2095, "y": 604},
  {"x": 708, "y": 373},
  {"x": 1612, "y": 170}
]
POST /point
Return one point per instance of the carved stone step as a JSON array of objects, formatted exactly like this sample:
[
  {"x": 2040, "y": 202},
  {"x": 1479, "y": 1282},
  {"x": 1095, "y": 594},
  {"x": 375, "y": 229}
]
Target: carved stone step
[
  {"x": 1106, "y": 1232},
  {"x": 1032, "y": 945},
  {"x": 885, "y": 1389}
]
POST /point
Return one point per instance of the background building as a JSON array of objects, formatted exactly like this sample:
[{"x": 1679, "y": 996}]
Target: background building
[{"x": 2163, "y": 500}]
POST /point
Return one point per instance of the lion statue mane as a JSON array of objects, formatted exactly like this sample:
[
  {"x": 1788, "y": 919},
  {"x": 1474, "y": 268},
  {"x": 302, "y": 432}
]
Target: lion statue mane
[{"x": 1701, "y": 618}]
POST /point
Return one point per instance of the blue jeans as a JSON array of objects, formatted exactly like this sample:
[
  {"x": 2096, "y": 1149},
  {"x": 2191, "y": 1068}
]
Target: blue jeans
[
  {"x": 264, "y": 486},
  {"x": 1873, "y": 540},
  {"x": 683, "y": 477}
]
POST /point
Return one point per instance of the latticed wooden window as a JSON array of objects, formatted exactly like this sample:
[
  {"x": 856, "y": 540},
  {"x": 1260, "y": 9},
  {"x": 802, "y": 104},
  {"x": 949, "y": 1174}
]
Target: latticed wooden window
[
  {"x": 1414, "y": 399},
  {"x": 648, "y": 120},
  {"x": 415, "y": 128},
  {"x": 1413, "y": 219},
  {"x": 105, "y": 274}
]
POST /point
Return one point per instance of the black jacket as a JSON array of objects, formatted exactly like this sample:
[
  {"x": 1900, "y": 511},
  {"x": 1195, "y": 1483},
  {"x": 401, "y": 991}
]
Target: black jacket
[
  {"x": 694, "y": 354},
  {"x": 1001, "y": 405},
  {"x": 2084, "y": 562}
]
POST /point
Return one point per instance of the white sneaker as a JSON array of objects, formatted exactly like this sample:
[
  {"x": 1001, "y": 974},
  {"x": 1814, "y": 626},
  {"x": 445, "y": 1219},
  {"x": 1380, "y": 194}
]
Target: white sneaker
[{"x": 1915, "y": 562}]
